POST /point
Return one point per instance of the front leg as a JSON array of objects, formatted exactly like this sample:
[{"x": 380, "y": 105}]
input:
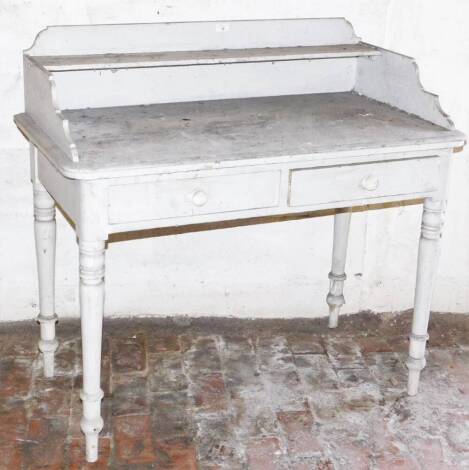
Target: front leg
[
  {"x": 45, "y": 234},
  {"x": 91, "y": 311},
  {"x": 335, "y": 297},
  {"x": 429, "y": 248}
]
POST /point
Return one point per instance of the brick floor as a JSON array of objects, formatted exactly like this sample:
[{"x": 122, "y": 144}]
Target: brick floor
[{"x": 242, "y": 394}]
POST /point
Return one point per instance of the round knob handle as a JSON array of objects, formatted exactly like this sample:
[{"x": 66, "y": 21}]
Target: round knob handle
[
  {"x": 370, "y": 183},
  {"x": 199, "y": 198}
]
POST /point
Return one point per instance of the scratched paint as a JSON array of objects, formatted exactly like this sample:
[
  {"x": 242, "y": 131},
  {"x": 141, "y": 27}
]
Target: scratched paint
[{"x": 275, "y": 270}]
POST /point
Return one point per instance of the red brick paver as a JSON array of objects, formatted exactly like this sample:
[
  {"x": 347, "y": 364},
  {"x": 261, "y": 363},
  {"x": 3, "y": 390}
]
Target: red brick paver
[{"x": 227, "y": 394}]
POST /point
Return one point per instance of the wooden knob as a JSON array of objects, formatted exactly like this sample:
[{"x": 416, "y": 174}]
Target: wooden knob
[
  {"x": 199, "y": 198},
  {"x": 370, "y": 183}
]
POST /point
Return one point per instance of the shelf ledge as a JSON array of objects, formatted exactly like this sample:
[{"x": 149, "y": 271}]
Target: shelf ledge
[{"x": 63, "y": 63}]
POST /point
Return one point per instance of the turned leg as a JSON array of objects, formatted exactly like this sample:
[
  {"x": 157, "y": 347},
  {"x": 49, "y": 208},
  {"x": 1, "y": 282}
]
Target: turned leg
[
  {"x": 44, "y": 232},
  {"x": 91, "y": 311},
  {"x": 335, "y": 297},
  {"x": 429, "y": 246}
]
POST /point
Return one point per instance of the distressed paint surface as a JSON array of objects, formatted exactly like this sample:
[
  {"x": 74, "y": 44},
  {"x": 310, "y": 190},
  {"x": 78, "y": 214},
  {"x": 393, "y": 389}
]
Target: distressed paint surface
[
  {"x": 210, "y": 132},
  {"x": 339, "y": 124},
  {"x": 383, "y": 243}
]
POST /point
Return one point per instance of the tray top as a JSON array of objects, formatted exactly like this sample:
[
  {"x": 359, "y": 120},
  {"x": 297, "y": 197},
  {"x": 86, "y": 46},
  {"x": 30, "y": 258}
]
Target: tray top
[{"x": 207, "y": 134}]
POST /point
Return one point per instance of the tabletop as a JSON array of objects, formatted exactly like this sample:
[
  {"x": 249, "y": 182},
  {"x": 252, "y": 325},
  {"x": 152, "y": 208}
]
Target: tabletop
[{"x": 192, "y": 135}]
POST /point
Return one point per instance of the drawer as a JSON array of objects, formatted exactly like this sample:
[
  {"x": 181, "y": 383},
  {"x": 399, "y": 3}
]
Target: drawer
[
  {"x": 363, "y": 181},
  {"x": 190, "y": 197}
]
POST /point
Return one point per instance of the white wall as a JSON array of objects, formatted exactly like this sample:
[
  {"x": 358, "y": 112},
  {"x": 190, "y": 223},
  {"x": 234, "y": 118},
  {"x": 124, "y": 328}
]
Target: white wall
[{"x": 267, "y": 270}]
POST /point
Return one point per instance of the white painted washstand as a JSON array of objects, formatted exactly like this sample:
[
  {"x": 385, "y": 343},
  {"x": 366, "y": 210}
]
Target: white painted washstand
[{"x": 138, "y": 126}]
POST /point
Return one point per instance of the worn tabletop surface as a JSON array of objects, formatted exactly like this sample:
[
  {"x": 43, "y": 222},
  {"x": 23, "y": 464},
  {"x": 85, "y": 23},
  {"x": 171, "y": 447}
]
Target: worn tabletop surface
[{"x": 207, "y": 132}]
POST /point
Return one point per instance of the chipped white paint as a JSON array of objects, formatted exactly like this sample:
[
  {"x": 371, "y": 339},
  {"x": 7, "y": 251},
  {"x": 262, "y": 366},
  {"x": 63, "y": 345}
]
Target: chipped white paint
[
  {"x": 165, "y": 165},
  {"x": 382, "y": 243},
  {"x": 401, "y": 87},
  {"x": 429, "y": 247},
  {"x": 41, "y": 104},
  {"x": 91, "y": 311},
  {"x": 64, "y": 63},
  {"x": 44, "y": 234},
  {"x": 191, "y": 36}
]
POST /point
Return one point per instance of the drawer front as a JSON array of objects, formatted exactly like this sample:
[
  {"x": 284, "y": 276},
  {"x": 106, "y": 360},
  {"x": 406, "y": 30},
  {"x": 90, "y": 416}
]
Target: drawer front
[
  {"x": 363, "y": 181},
  {"x": 190, "y": 197}
]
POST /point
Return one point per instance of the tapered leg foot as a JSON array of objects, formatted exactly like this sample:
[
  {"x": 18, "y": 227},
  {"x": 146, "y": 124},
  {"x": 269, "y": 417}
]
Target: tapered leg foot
[
  {"x": 45, "y": 235},
  {"x": 335, "y": 297},
  {"x": 49, "y": 360},
  {"x": 91, "y": 311},
  {"x": 91, "y": 424},
  {"x": 415, "y": 366},
  {"x": 429, "y": 248},
  {"x": 91, "y": 447}
]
